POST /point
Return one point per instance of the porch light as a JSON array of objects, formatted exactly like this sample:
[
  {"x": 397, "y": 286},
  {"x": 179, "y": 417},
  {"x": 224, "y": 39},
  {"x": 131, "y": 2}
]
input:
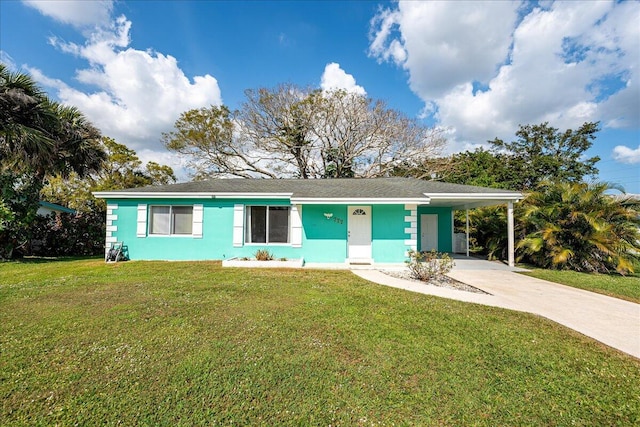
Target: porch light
[{"x": 328, "y": 215}]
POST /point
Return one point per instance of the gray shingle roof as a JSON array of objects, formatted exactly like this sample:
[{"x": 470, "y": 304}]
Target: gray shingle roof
[{"x": 325, "y": 188}]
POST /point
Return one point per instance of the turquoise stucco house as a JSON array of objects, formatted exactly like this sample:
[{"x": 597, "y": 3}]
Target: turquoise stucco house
[{"x": 332, "y": 221}]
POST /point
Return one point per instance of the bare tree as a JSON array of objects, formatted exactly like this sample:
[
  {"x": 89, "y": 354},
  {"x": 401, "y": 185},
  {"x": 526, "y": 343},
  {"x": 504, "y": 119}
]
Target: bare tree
[
  {"x": 278, "y": 122},
  {"x": 298, "y": 132},
  {"x": 207, "y": 137},
  {"x": 364, "y": 138}
]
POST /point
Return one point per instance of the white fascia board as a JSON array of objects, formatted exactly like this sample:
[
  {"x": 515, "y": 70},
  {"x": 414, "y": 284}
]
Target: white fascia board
[
  {"x": 182, "y": 195},
  {"x": 252, "y": 195},
  {"x": 358, "y": 201},
  {"x": 150, "y": 195},
  {"x": 475, "y": 196}
]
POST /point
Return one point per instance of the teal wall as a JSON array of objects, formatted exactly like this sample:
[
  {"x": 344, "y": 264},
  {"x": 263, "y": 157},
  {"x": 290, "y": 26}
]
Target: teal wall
[
  {"x": 388, "y": 234},
  {"x": 217, "y": 233},
  {"x": 445, "y": 232},
  {"x": 323, "y": 240}
]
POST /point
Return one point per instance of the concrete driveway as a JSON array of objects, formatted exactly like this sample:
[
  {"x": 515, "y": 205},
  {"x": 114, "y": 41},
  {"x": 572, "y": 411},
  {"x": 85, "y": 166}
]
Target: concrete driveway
[{"x": 611, "y": 321}]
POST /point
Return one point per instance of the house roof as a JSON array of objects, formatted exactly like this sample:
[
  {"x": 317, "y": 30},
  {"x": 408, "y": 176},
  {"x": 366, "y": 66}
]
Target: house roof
[
  {"x": 56, "y": 208},
  {"x": 309, "y": 191}
]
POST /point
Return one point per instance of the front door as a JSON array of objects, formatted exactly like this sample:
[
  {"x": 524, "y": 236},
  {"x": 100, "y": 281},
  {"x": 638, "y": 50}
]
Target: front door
[
  {"x": 428, "y": 232},
  {"x": 359, "y": 232}
]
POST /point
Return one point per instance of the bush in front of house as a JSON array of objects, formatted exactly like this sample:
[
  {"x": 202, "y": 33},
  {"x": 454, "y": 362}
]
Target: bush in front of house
[
  {"x": 66, "y": 234},
  {"x": 428, "y": 266},
  {"x": 263, "y": 255}
]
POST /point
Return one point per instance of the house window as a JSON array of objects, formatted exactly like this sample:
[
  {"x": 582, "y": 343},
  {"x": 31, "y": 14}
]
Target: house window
[
  {"x": 267, "y": 224},
  {"x": 170, "y": 220},
  {"x": 359, "y": 212}
]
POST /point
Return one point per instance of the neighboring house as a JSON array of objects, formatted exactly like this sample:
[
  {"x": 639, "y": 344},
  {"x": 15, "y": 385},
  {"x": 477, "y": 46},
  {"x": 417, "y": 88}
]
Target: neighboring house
[
  {"x": 47, "y": 208},
  {"x": 323, "y": 221}
]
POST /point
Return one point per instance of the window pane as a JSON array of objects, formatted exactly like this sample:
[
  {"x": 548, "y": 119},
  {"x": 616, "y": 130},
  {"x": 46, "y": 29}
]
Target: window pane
[
  {"x": 278, "y": 224},
  {"x": 182, "y": 219},
  {"x": 159, "y": 220},
  {"x": 258, "y": 225}
]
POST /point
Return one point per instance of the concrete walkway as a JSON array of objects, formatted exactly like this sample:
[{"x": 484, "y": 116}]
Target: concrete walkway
[{"x": 611, "y": 321}]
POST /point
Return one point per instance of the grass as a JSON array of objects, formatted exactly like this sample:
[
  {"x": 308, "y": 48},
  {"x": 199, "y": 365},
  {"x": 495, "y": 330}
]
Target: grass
[
  {"x": 627, "y": 288},
  {"x": 161, "y": 343}
]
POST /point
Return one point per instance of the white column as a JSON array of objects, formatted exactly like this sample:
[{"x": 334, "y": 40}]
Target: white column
[
  {"x": 510, "y": 234},
  {"x": 467, "y": 232}
]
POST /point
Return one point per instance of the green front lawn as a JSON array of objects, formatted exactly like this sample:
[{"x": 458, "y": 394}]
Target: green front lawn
[
  {"x": 627, "y": 288},
  {"x": 179, "y": 343}
]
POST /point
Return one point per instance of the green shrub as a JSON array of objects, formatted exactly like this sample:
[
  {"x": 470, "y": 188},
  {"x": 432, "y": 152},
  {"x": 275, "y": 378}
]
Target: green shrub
[
  {"x": 579, "y": 226},
  {"x": 429, "y": 266},
  {"x": 66, "y": 234}
]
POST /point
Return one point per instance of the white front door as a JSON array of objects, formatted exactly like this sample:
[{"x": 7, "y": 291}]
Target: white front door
[
  {"x": 428, "y": 232},
  {"x": 359, "y": 232}
]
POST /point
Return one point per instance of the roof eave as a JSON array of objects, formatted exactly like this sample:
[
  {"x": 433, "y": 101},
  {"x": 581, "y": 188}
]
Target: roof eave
[
  {"x": 359, "y": 201},
  {"x": 150, "y": 195},
  {"x": 476, "y": 196}
]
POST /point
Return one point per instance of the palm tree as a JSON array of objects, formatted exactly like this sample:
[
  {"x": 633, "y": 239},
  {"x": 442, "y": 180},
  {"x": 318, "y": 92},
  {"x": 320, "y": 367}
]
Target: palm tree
[
  {"x": 578, "y": 226},
  {"x": 77, "y": 143},
  {"x": 38, "y": 138},
  {"x": 25, "y": 116},
  {"x": 42, "y": 136}
]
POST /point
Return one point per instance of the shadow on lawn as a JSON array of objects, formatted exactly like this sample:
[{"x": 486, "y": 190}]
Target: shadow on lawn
[{"x": 46, "y": 260}]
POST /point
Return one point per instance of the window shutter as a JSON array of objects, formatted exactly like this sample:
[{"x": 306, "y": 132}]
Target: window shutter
[
  {"x": 238, "y": 225},
  {"x": 198, "y": 214},
  {"x": 141, "y": 230},
  {"x": 296, "y": 226}
]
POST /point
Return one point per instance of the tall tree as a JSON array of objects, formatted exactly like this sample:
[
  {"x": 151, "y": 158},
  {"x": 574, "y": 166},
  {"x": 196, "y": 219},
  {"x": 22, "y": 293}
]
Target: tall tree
[
  {"x": 479, "y": 167},
  {"x": 121, "y": 169},
  {"x": 290, "y": 131},
  {"x": 542, "y": 152},
  {"x": 38, "y": 137}
]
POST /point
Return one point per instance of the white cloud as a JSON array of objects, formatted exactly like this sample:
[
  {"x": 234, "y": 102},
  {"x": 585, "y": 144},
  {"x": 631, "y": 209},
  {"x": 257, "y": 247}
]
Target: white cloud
[
  {"x": 482, "y": 69},
  {"x": 625, "y": 154},
  {"x": 444, "y": 44},
  {"x": 334, "y": 78},
  {"x": 79, "y": 13},
  {"x": 177, "y": 163},
  {"x": 139, "y": 93},
  {"x": 7, "y": 60}
]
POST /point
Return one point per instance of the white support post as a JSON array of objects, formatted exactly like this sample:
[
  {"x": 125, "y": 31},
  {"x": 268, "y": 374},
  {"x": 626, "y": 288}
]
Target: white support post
[
  {"x": 510, "y": 234},
  {"x": 467, "y": 232}
]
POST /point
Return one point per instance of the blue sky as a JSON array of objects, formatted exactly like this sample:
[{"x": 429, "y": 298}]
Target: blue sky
[{"x": 476, "y": 69}]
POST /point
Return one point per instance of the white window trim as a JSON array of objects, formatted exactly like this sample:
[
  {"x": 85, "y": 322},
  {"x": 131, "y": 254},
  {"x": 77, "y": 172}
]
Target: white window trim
[
  {"x": 295, "y": 221},
  {"x": 238, "y": 225},
  {"x": 141, "y": 229},
  {"x": 247, "y": 223},
  {"x": 196, "y": 223}
]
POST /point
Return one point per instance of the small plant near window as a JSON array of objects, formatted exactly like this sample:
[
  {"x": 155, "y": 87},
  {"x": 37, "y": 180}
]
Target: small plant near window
[
  {"x": 428, "y": 266},
  {"x": 263, "y": 255},
  {"x": 282, "y": 259}
]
